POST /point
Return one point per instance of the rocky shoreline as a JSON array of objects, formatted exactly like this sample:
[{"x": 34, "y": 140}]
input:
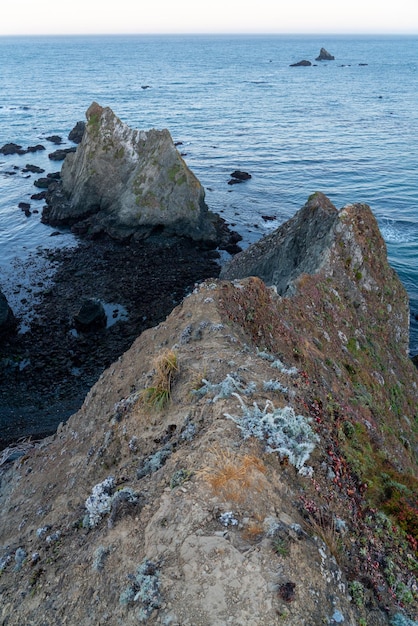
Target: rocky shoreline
[
  {"x": 47, "y": 371},
  {"x": 146, "y": 236}
]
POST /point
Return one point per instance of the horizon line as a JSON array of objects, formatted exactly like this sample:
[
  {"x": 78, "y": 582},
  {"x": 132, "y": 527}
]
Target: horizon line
[{"x": 220, "y": 34}]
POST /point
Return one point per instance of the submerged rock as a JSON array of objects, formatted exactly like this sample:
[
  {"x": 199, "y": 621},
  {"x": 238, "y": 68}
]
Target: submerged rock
[{"x": 126, "y": 182}]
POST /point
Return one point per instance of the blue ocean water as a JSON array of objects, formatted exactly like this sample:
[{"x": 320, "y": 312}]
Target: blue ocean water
[{"x": 346, "y": 127}]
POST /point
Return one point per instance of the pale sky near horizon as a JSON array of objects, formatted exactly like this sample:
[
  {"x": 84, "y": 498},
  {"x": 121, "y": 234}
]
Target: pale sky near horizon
[{"x": 29, "y": 17}]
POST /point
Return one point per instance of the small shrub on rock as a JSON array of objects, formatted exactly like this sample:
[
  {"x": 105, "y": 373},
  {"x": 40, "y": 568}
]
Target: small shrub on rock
[
  {"x": 283, "y": 431},
  {"x": 143, "y": 590}
]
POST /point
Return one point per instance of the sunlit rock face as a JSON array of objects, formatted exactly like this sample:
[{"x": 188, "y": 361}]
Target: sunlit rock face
[{"x": 127, "y": 182}]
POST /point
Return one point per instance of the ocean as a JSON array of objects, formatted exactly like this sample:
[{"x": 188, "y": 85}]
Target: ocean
[{"x": 346, "y": 127}]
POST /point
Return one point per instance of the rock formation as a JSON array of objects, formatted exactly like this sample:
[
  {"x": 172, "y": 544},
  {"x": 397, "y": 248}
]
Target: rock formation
[
  {"x": 324, "y": 55},
  {"x": 299, "y": 246},
  {"x": 91, "y": 315},
  {"x": 128, "y": 182},
  {"x": 7, "y": 318},
  {"x": 251, "y": 460},
  {"x": 76, "y": 133},
  {"x": 321, "y": 239},
  {"x": 303, "y": 63}
]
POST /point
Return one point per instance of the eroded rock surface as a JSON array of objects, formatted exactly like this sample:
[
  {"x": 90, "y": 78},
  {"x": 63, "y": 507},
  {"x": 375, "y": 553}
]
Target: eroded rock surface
[
  {"x": 298, "y": 246},
  {"x": 127, "y": 182},
  {"x": 311, "y": 241},
  {"x": 268, "y": 486}
]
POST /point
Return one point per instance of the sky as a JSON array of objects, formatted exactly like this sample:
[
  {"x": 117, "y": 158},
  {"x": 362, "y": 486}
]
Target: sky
[{"x": 29, "y": 17}]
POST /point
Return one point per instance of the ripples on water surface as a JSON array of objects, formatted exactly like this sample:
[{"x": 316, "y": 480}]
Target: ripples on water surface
[{"x": 343, "y": 128}]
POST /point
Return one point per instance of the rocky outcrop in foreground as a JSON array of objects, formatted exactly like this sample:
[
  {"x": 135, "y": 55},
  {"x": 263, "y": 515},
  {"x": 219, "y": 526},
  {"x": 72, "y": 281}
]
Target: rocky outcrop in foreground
[
  {"x": 129, "y": 183},
  {"x": 251, "y": 460}
]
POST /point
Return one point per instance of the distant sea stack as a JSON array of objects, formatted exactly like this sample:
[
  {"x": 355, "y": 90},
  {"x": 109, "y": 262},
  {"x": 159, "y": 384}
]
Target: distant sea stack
[
  {"x": 303, "y": 63},
  {"x": 324, "y": 55}
]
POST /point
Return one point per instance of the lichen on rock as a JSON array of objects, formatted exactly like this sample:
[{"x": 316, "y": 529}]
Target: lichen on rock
[
  {"x": 127, "y": 182},
  {"x": 344, "y": 392}
]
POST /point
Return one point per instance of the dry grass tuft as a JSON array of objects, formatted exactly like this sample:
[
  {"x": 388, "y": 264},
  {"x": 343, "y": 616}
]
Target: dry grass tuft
[
  {"x": 232, "y": 476},
  {"x": 158, "y": 395},
  {"x": 324, "y": 527},
  {"x": 254, "y": 531}
]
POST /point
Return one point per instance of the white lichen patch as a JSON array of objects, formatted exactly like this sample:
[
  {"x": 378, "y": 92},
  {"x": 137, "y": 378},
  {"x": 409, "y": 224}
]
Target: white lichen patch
[{"x": 282, "y": 431}]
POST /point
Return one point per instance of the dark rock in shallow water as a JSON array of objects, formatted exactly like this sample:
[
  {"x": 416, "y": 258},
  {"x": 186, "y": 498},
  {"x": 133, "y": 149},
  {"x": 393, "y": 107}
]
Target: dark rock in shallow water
[
  {"x": 76, "y": 134},
  {"x": 12, "y": 148},
  {"x": 303, "y": 63},
  {"x": 7, "y": 318},
  {"x": 324, "y": 55},
  {"x": 35, "y": 169},
  {"x": 38, "y": 196},
  {"x": 91, "y": 315},
  {"x": 46, "y": 181},
  {"x": 54, "y": 139},
  {"x": 60, "y": 154},
  {"x": 38, "y": 148},
  {"x": 240, "y": 175},
  {"x": 24, "y": 206},
  {"x": 43, "y": 183}
]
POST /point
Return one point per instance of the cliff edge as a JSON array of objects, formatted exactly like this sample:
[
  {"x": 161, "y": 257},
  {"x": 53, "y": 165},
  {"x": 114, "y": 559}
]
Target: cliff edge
[{"x": 251, "y": 460}]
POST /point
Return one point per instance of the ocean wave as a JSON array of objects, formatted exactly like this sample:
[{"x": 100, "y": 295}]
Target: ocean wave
[{"x": 394, "y": 231}]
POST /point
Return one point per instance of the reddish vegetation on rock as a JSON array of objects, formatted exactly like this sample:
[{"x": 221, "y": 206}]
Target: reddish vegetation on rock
[{"x": 194, "y": 511}]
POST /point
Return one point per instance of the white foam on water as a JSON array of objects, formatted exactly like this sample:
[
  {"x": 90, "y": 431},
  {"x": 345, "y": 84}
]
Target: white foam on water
[{"x": 393, "y": 232}]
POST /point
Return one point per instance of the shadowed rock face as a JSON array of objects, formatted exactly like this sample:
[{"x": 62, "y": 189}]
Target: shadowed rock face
[
  {"x": 128, "y": 182},
  {"x": 7, "y": 318},
  {"x": 344, "y": 246},
  {"x": 299, "y": 246},
  {"x": 324, "y": 55}
]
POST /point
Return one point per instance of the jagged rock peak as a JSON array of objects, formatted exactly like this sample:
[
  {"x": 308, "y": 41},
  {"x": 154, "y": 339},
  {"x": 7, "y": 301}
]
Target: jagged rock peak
[
  {"x": 296, "y": 247},
  {"x": 324, "y": 55},
  {"x": 126, "y": 182},
  {"x": 344, "y": 245}
]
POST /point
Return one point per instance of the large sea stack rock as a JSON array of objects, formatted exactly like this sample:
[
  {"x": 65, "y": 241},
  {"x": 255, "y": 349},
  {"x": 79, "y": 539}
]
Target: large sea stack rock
[
  {"x": 298, "y": 246},
  {"x": 126, "y": 182}
]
